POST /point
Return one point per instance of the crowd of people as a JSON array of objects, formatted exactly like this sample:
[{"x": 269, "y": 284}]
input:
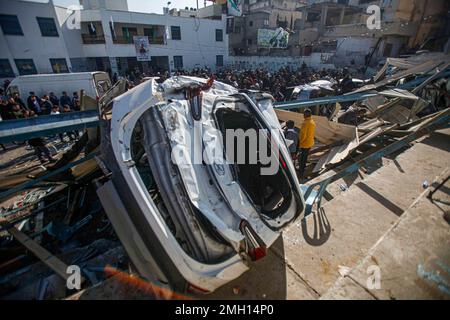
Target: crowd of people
[
  {"x": 12, "y": 106},
  {"x": 279, "y": 83}
]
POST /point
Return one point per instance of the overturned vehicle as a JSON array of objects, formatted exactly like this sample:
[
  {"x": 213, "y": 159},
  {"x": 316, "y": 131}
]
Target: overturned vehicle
[{"x": 190, "y": 215}]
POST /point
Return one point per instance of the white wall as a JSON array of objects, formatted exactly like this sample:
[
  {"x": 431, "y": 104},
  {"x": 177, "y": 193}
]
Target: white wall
[
  {"x": 31, "y": 45},
  {"x": 316, "y": 60},
  {"x": 198, "y": 44}
]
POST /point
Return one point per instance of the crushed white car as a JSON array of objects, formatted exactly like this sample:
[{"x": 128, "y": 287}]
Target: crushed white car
[{"x": 189, "y": 217}]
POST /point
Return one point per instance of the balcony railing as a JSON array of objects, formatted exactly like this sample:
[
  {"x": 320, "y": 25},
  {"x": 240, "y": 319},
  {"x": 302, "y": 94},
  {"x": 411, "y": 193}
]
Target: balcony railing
[
  {"x": 156, "y": 40},
  {"x": 92, "y": 39},
  {"x": 129, "y": 40}
]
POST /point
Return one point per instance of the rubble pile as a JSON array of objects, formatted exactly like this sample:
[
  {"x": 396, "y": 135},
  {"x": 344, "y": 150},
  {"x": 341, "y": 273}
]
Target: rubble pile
[{"x": 60, "y": 221}]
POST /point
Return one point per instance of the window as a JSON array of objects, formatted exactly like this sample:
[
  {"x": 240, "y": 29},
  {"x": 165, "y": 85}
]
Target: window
[
  {"x": 149, "y": 32},
  {"x": 59, "y": 65},
  {"x": 250, "y": 23},
  {"x": 219, "y": 35},
  {"x": 178, "y": 62},
  {"x": 266, "y": 23},
  {"x": 237, "y": 29},
  {"x": 128, "y": 33},
  {"x": 5, "y": 69},
  {"x": 47, "y": 26},
  {"x": 10, "y": 25},
  {"x": 219, "y": 61},
  {"x": 25, "y": 66},
  {"x": 175, "y": 32}
]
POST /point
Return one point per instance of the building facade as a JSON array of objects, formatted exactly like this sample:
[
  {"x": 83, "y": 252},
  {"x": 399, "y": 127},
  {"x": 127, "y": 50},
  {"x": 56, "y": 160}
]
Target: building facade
[
  {"x": 338, "y": 29},
  {"x": 43, "y": 38}
]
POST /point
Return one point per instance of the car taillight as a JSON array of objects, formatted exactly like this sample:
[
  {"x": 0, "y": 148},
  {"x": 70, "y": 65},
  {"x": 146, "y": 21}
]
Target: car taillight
[
  {"x": 256, "y": 248},
  {"x": 192, "y": 288},
  {"x": 258, "y": 253}
]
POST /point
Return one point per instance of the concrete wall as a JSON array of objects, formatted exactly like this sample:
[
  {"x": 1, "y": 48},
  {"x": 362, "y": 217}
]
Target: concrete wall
[{"x": 316, "y": 60}]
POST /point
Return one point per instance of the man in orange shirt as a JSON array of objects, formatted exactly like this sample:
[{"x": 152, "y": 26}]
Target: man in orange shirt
[{"x": 306, "y": 139}]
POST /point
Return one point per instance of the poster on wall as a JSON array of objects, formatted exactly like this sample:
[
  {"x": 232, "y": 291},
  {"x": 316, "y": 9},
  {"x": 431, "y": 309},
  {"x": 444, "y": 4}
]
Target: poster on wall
[
  {"x": 234, "y": 7},
  {"x": 277, "y": 39},
  {"x": 142, "y": 47}
]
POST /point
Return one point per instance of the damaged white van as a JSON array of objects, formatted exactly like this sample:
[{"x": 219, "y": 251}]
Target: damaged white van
[{"x": 190, "y": 206}]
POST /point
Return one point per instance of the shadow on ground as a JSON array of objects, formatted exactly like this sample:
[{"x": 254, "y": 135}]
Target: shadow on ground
[{"x": 266, "y": 279}]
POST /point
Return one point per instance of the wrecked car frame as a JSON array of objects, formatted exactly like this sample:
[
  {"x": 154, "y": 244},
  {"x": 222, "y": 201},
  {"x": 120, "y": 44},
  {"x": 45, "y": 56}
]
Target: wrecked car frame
[{"x": 192, "y": 226}]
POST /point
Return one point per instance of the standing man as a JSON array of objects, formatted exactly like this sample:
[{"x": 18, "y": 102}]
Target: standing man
[
  {"x": 65, "y": 100},
  {"x": 75, "y": 101},
  {"x": 306, "y": 140},
  {"x": 19, "y": 101},
  {"x": 35, "y": 106},
  {"x": 30, "y": 102},
  {"x": 46, "y": 105},
  {"x": 54, "y": 99}
]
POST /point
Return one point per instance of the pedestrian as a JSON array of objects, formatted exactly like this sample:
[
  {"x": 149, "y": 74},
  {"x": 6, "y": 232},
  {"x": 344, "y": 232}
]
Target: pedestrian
[
  {"x": 54, "y": 99},
  {"x": 30, "y": 101},
  {"x": 35, "y": 106},
  {"x": 19, "y": 101},
  {"x": 46, "y": 105},
  {"x": 41, "y": 150},
  {"x": 5, "y": 114},
  {"x": 65, "y": 100},
  {"x": 7, "y": 109},
  {"x": 75, "y": 100},
  {"x": 307, "y": 133}
]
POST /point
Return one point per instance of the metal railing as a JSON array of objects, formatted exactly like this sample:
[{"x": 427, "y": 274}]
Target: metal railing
[
  {"x": 92, "y": 39},
  {"x": 129, "y": 40}
]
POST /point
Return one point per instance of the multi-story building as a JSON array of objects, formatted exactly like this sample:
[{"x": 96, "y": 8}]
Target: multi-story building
[
  {"x": 31, "y": 39},
  {"x": 264, "y": 14},
  {"x": 338, "y": 29},
  {"x": 44, "y": 38},
  {"x": 346, "y": 28}
]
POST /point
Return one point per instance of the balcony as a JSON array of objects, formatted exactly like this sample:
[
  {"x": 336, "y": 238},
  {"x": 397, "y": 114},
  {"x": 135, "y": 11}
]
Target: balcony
[
  {"x": 123, "y": 40},
  {"x": 92, "y": 39},
  {"x": 156, "y": 40},
  {"x": 129, "y": 40}
]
